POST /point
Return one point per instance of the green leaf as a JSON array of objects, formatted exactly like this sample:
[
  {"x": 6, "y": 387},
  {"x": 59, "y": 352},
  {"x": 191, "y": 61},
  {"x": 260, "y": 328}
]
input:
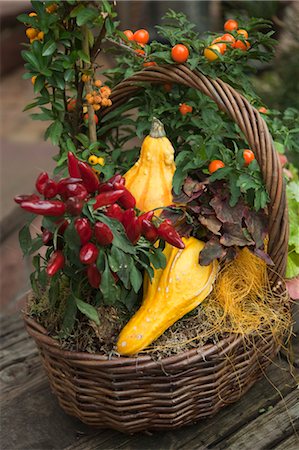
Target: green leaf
[
  {"x": 83, "y": 139},
  {"x": 83, "y": 56},
  {"x": 107, "y": 286},
  {"x": 49, "y": 48},
  {"x": 72, "y": 238},
  {"x": 69, "y": 317},
  {"x": 292, "y": 265},
  {"x": 135, "y": 278},
  {"x": 31, "y": 59},
  {"x": 54, "y": 292},
  {"x": 54, "y": 132},
  {"x": 88, "y": 310},
  {"x": 85, "y": 15},
  {"x": 25, "y": 240},
  {"x": 120, "y": 239}
]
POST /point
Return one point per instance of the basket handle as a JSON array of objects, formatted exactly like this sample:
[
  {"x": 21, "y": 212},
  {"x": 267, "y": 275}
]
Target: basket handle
[{"x": 254, "y": 129}]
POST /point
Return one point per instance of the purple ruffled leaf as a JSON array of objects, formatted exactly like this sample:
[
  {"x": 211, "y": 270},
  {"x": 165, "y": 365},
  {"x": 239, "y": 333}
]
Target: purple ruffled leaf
[
  {"x": 211, "y": 223},
  {"x": 233, "y": 234},
  {"x": 226, "y": 213},
  {"x": 212, "y": 250}
]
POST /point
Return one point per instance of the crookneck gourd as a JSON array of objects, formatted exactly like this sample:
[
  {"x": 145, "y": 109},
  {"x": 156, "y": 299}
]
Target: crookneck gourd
[
  {"x": 150, "y": 179},
  {"x": 173, "y": 292}
]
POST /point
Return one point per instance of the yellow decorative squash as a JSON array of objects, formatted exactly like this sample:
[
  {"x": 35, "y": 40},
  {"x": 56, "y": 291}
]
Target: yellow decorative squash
[
  {"x": 150, "y": 179},
  {"x": 174, "y": 291}
]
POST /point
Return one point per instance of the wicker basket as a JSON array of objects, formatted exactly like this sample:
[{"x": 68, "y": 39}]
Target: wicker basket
[{"x": 135, "y": 394}]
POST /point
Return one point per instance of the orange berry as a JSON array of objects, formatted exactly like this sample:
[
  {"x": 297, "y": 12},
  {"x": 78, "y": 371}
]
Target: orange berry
[
  {"x": 105, "y": 91},
  {"x": 215, "y": 165},
  {"x": 222, "y": 46},
  {"x": 40, "y": 35},
  {"x": 51, "y": 8},
  {"x": 140, "y": 51},
  {"x": 149, "y": 64},
  {"x": 96, "y": 107},
  {"x": 97, "y": 99},
  {"x": 263, "y": 110},
  {"x": 98, "y": 83},
  {"x": 241, "y": 45},
  {"x": 87, "y": 96},
  {"x": 229, "y": 38},
  {"x": 248, "y": 156},
  {"x": 95, "y": 117},
  {"x": 167, "y": 87},
  {"x": 180, "y": 53},
  {"x": 85, "y": 78},
  {"x": 211, "y": 52},
  {"x": 31, "y": 33},
  {"x": 90, "y": 100},
  {"x": 71, "y": 104},
  {"x": 141, "y": 36},
  {"x": 33, "y": 79},
  {"x": 106, "y": 102},
  {"x": 243, "y": 32},
  {"x": 231, "y": 25},
  {"x": 129, "y": 34},
  {"x": 32, "y": 14},
  {"x": 185, "y": 109}
]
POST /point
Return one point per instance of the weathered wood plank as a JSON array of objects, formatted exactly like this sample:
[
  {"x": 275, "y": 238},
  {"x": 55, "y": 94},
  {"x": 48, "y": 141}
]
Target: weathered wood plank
[
  {"x": 268, "y": 429},
  {"x": 290, "y": 443}
]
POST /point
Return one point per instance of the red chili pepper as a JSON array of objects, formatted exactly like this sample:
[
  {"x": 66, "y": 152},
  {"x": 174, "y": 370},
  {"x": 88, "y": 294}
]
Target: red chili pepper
[
  {"x": 74, "y": 190},
  {"x": 63, "y": 226},
  {"x": 89, "y": 178},
  {"x": 103, "y": 234},
  {"x": 88, "y": 253},
  {"x": 45, "y": 207},
  {"x": 115, "y": 276},
  {"x": 26, "y": 198},
  {"x": 47, "y": 237},
  {"x": 117, "y": 178},
  {"x": 109, "y": 185},
  {"x": 170, "y": 235},
  {"x": 107, "y": 198},
  {"x": 55, "y": 263},
  {"x": 115, "y": 212},
  {"x": 41, "y": 182},
  {"x": 127, "y": 200},
  {"x": 149, "y": 231},
  {"x": 73, "y": 165},
  {"x": 94, "y": 276},
  {"x": 64, "y": 181},
  {"x": 83, "y": 229},
  {"x": 50, "y": 189},
  {"x": 146, "y": 216},
  {"x": 132, "y": 225},
  {"x": 74, "y": 206}
]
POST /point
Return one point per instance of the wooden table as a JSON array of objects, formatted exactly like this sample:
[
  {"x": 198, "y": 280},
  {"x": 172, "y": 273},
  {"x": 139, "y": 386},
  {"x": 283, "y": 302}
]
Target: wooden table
[{"x": 31, "y": 419}]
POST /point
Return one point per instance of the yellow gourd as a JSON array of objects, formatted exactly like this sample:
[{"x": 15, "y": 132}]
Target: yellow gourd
[
  {"x": 150, "y": 179},
  {"x": 173, "y": 292}
]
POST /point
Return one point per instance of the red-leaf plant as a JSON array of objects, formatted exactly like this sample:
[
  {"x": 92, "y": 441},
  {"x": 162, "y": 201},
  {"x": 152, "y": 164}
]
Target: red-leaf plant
[{"x": 205, "y": 212}]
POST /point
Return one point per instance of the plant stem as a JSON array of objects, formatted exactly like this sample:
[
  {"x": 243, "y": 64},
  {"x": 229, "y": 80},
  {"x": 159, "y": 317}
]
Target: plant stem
[
  {"x": 131, "y": 50},
  {"x": 88, "y": 87}
]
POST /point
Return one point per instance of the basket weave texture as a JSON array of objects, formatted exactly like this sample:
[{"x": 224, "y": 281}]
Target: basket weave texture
[{"x": 135, "y": 394}]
